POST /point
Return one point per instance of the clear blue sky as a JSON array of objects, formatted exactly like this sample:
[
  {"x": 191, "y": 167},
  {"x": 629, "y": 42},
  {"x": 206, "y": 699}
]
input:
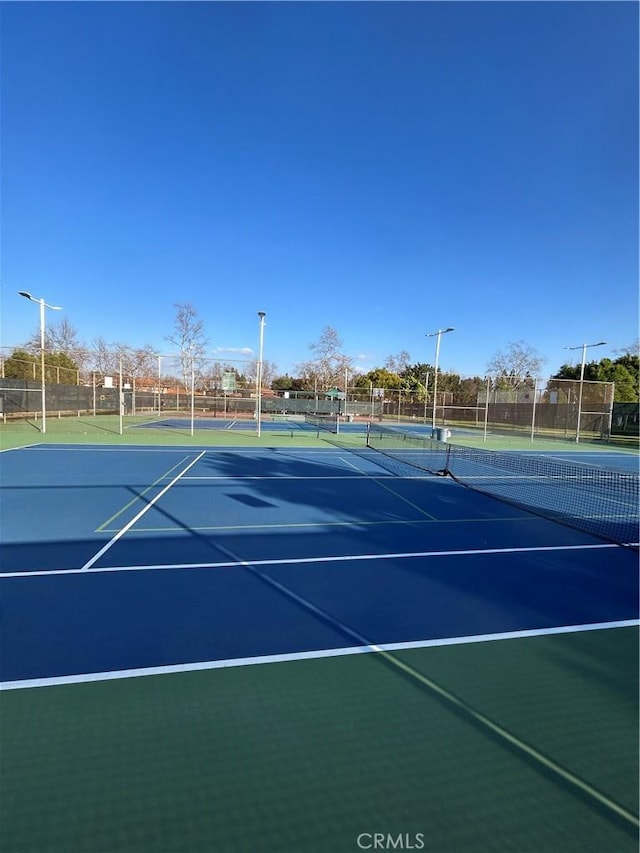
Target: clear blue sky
[{"x": 385, "y": 169}]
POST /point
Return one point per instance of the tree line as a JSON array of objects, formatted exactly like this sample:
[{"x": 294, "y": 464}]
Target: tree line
[
  {"x": 68, "y": 357},
  {"x": 514, "y": 368}
]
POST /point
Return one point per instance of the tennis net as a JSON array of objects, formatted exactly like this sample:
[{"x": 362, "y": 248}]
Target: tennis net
[
  {"x": 322, "y": 420},
  {"x": 595, "y": 500}
]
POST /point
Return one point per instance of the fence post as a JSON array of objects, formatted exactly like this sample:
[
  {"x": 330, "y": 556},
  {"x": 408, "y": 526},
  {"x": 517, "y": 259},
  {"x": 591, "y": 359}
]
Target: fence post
[{"x": 486, "y": 410}]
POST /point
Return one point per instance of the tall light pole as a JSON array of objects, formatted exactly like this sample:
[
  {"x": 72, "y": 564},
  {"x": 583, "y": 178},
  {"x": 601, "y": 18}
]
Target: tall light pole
[
  {"x": 159, "y": 385},
  {"x": 346, "y": 381},
  {"x": 43, "y": 305},
  {"x": 261, "y": 315},
  {"x": 437, "y": 335},
  {"x": 193, "y": 391},
  {"x": 584, "y": 348},
  {"x": 426, "y": 389}
]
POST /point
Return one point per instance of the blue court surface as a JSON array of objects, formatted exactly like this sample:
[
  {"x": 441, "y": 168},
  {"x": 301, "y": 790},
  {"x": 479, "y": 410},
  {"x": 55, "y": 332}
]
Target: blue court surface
[
  {"x": 274, "y": 424},
  {"x": 124, "y": 559}
]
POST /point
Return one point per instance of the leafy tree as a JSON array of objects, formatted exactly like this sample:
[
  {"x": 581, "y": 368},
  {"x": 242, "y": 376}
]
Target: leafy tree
[
  {"x": 469, "y": 389},
  {"x": 626, "y": 375},
  {"x": 626, "y": 382},
  {"x": 289, "y": 383},
  {"x": 515, "y": 367},
  {"x": 282, "y": 382},
  {"x": 21, "y": 365},
  {"x": 417, "y": 379},
  {"x": 380, "y": 377},
  {"x": 59, "y": 367},
  {"x": 624, "y": 372}
]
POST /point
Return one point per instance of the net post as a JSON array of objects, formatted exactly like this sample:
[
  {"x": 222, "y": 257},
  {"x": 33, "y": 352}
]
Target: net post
[{"x": 447, "y": 469}]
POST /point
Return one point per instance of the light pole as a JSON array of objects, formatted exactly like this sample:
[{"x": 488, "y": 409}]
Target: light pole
[
  {"x": 584, "y": 348},
  {"x": 346, "y": 381},
  {"x": 120, "y": 392},
  {"x": 261, "y": 315},
  {"x": 437, "y": 335},
  {"x": 426, "y": 390},
  {"x": 159, "y": 385},
  {"x": 42, "y": 305},
  {"x": 193, "y": 391}
]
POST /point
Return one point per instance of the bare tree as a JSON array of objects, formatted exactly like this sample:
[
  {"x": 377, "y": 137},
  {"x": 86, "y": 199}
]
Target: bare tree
[
  {"x": 269, "y": 372},
  {"x": 630, "y": 349},
  {"x": 103, "y": 360},
  {"x": 518, "y": 365},
  {"x": 398, "y": 363},
  {"x": 60, "y": 337},
  {"x": 106, "y": 358},
  {"x": 190, "y": 340},
  {"x": 329, "y": 364},
  {"x": 136, "y": 362}
]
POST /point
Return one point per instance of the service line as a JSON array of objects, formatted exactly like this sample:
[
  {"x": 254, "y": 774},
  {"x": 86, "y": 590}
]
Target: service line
[{"x": 137, "y": 517}]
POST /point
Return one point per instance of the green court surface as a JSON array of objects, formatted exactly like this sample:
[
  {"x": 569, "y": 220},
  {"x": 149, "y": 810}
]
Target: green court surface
[
  {"x": 516, "y": 745},
  {"x": 105, "y": 430},
  {"x": 143, "y": 430}
]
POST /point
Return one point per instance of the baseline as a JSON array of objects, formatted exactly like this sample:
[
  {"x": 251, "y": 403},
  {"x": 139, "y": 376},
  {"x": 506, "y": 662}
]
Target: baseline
[{"x": 257, "y": 660}]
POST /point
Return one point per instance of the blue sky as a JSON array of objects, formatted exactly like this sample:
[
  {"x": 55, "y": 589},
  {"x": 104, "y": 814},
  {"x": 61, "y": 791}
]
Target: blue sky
[{"x": 386, "y": 169}]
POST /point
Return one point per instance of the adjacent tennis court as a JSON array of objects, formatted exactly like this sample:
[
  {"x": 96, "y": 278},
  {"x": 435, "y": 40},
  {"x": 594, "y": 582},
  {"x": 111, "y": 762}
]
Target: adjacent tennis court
[{"x": 290, "y": 649}]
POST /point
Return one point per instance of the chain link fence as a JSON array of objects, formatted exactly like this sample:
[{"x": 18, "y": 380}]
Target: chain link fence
[
  {"x": 548, "y": 408},
  {"x": 545, "y": 408}
]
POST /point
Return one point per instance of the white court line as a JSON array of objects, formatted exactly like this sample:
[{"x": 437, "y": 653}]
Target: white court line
[
  {"x": 177, "y": 448},
  {"x": 200, "y": 666},
  {"x": 378, "y": 481},
  {"x": 295, "y": 561},
  {"x": 310, "y": 477},
  {"x": 136, "y": 518}
]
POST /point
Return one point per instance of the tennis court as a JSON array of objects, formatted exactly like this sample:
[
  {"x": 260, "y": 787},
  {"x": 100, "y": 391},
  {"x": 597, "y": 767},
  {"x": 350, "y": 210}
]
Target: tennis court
[{"x": 325, "y": 649}]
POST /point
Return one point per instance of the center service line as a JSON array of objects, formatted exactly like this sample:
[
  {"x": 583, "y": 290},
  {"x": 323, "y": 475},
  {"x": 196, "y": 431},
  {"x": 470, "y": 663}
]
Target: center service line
[{"x": 136, "y": 518}]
